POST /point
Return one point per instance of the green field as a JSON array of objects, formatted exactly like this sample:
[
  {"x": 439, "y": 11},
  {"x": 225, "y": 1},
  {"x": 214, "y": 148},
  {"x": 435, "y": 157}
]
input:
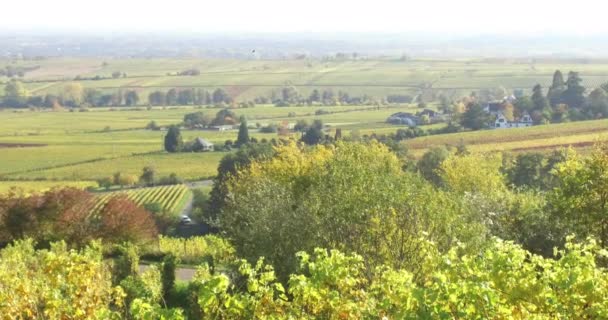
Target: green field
[
  {"x": 247, "y": 79},
  {"x": 85, "y": 146},
  {"x": 41, "y": 186}
]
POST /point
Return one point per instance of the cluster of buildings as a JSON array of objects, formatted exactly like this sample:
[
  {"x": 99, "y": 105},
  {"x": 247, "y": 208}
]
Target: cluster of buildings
[{"x": 494, "y": 108}]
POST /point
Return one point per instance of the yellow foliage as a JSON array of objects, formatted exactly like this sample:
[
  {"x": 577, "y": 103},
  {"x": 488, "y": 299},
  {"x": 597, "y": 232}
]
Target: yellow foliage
[{"x": 476, "y": 173}]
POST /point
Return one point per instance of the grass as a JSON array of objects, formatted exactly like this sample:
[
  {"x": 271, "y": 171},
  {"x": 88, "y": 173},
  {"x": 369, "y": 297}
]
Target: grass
[
  {"x": 520, "y": 139},
  {"x": 191, "y": 166},
  {"x": 41, "y": 186}
]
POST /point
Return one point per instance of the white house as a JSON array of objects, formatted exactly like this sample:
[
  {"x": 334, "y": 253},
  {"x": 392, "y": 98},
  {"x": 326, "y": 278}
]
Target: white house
[{"x": 502, "y": 122}]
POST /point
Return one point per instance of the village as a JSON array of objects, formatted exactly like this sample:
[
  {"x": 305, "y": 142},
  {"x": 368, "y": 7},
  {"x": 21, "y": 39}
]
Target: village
[{"x": 495, "y": 111}]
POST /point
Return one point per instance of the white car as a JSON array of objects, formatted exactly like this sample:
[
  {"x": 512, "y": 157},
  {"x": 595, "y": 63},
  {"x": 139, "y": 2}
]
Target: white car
[{"x": 185, "y": 220}]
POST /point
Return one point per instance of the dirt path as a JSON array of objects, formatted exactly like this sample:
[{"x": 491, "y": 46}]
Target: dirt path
[{"x": 182, "y": 274}]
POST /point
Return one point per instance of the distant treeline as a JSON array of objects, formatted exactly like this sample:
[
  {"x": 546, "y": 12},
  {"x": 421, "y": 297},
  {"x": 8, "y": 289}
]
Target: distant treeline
[{"x": 74, "y": 95}]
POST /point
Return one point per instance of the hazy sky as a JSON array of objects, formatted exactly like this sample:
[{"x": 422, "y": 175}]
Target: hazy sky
[{"x": 436, "y": 16}]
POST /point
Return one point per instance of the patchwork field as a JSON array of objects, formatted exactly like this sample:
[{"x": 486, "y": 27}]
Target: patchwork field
[
  {"x": 247, "y": 79},
  {"x": 85, "y": 146}
]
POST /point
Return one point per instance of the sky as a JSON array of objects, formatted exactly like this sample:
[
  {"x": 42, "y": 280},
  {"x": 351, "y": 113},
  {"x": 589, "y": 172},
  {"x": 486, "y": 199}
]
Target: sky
[{"x": 451, "y": 17}]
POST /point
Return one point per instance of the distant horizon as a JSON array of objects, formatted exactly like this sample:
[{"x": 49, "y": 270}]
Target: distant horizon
[{"x": 465, "y": 17}]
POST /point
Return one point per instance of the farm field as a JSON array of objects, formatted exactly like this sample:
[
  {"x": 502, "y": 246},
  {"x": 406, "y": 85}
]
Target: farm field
[
  {"x": 247, "y": 79},
  {"x": 85, "y": 146},
  {"x": 41, "y": 186},
  {"x": 170, "y": 198},
  {"x": 576, "y": 134}
]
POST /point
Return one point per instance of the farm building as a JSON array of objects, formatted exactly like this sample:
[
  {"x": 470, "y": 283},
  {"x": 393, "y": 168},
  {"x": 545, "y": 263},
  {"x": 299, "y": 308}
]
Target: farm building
[
  {"x": 502, "y": 122},
  {"x": 403, "y": 118},
  {"x": 494, "y": 108},
  {"x": 201, "y": 144}
]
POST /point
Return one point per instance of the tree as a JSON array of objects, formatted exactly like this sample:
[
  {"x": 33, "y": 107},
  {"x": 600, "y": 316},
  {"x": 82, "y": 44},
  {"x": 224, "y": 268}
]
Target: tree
[
  {"x": 301, "y": 125},
  {"x": 597, "y": 104},
  {"x": 173, "y": 140},
  {"x": 351, "y": 196},
  {"x": 473, "y": 173},
  {"x": 579, "y": 203},
  {"x": 73, "y": 94},
  {"x": 224, "y": 117},
  {"x": 157, "y": 98},
  {"x": 116, "y": 74},
  {"x": 475, "y": 117},
  {"x": 132, "y": 98},
  {"x": 557, "y": 88},
  {"x": 15, "y": 89},
  {"x": 289, "y": 94},
  {"x": 219, "y": 96},
  {"x": 147, "y": 176},
  {"x": 538, "y": 98},
  {"x": 430, "y": 163},
  {"x": 243, "y": 137},
  {"x": 315, "y": 96},
  {"x": 171, "y": 97},
  {"x": 313, "y": 135},
  {"x": 573, "y": 96},
  {"x": 228, "y": 167},
  {"x": 122, "y": 220},
  {"x": 508, "y": 112},
  {"x": 185, "y": 97},
  {"x": 196, "y": 119}
]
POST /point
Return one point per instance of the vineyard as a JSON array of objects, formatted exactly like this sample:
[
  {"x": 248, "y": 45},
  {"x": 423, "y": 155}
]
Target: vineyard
[{"x": 170, "y": 198}]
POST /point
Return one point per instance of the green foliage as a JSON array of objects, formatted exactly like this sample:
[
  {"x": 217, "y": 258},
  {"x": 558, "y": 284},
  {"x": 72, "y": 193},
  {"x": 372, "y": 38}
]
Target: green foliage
[
  {"x": 169, "y": 265},
  {"x": 173, "y": 140},
  {"x": 209, "y": 249},
  {"x": 56, "y": 284},
  {"x": 473, "y": 173},
  {"x": 353, "y": 197},
  {"x": 502, "y": 282},
  {"x": 475, "y": 117},
  {"x": 430, "y": 164},
  {"x": 127, "y": 262},
  {"x": 579, "y": 203},
  {"x": 228, "y": 166},
  {"x": 243, "y": 136}
]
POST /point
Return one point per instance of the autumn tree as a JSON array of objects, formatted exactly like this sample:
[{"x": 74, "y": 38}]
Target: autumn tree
[{"x": 73, "y": 94}]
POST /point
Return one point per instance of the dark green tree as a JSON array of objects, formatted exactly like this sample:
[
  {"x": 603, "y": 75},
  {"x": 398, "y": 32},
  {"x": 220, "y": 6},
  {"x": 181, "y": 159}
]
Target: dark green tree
[
  {"x": 430, "y": 163},
  {"x": 243, "y": 137},
  {"x": 131, "y": 98},
  {"x": 475, "y": 117},
  {"x": 147, "y": 176},
  {"x": 173, "y": 140},
  {"x": 539, "y": 100},
  {"x": 573, "y": 96},
  {"x": 315, "y": 96},
  {"x": 528, "y": 171},
  {"x": 558, "y": 86}
]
